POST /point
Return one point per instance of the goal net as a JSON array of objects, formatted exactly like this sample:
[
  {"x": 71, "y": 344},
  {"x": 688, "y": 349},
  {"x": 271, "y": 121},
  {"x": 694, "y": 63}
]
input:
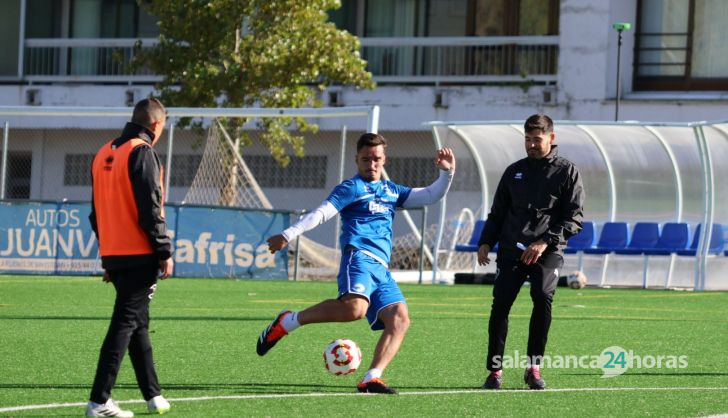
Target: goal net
[
  {"x": 206, "y": 166},
  {"x": 229, "y": 175},
  {"x": 224, "y": 179}
]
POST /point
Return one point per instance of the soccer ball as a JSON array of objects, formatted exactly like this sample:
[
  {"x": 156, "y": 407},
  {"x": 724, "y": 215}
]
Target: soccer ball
[
  {"x": 342, "y": 356},
  {"x": 576, "y": 280}
]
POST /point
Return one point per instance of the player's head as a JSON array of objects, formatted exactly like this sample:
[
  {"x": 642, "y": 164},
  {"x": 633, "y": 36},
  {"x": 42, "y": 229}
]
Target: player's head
[
  {"x": 539, "y": 134},
  {"x": 370, "y": 156},
  {"x": 151, "y": 114}
]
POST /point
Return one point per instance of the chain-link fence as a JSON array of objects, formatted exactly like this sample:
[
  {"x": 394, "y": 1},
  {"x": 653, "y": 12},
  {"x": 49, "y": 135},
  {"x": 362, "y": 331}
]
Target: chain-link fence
[{"x": 52, "y": 162}]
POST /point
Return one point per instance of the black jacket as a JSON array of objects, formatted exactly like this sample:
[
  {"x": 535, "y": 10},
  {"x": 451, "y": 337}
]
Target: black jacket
[
  {"x": 535, "y": 199},
  {"x": 144, "y": 169}
]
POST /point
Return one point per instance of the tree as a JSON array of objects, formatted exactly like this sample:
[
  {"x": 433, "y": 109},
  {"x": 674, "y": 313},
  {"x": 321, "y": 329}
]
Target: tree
[{"x": 245, "y": 53}]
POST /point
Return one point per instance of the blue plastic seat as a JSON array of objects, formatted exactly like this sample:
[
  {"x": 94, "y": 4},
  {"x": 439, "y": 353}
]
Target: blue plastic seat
[
  {"x": 674, "y": 237},
  {"x": 614, "y": 236},
  {"x": 583, "y": 240},
  {"x": 472, "y": 245},
  {"x": 716, "y": 241},
  {"x": 644, "y": 238}
]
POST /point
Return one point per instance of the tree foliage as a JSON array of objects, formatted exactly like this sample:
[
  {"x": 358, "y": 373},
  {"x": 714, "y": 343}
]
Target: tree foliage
[{"x": 247, "y": 53}]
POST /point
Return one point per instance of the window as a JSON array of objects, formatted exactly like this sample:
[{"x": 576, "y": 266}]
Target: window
[
  {"x": 453, "y": 18},
  {"x": 184, "y": 168},
  {"x": 308, "y": 172},
  {"x": 9, "y": 33},
  {"x": 43, "y": 18},
  {"x": 514, "y": 18},
  {"x": 448, "y": 17},
  {"x": 411, "y": 171},
  {"x": 77, "y": 169},
  {"x": 680, "y": 45},
  {"x": 18, "y": 181},
  {"x": 419, "y": 172},
  {"x": 88, "y": 19},
  {"x": 92, "y": 19}
]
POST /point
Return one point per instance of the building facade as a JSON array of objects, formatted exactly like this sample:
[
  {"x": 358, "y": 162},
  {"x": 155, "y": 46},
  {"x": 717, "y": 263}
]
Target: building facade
[{"x": 432, "y": 59}]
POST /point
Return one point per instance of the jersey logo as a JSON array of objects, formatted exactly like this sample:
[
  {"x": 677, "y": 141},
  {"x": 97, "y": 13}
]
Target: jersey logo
[
  {"x": 388, "y": 192},
  {"x": 518, "y": 176},
  {"x": 107, "y": 163},
  {"x": 375, "y": 207}
]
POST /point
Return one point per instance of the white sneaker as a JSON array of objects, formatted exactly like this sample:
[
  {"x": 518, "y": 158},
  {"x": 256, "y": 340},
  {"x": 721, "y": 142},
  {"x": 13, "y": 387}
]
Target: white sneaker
[
  {"x": 158, "y": 405},
  {"x": 108, "y": 409}
]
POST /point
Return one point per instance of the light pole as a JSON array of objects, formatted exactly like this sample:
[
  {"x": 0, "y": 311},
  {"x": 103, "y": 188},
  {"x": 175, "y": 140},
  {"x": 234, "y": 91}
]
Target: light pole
[{"x": 619, "y": 27}]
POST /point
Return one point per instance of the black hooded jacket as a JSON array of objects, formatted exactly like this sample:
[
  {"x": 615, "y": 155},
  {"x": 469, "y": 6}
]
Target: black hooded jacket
[{"x": 535, "y": 199}]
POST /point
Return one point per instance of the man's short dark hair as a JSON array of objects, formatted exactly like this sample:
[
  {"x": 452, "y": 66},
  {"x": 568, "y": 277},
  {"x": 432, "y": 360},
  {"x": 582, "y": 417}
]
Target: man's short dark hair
[
  {"x": 370, "y": 140},
  {"x": 539, "y": 122},
  {"x": 148, "y": 111}
]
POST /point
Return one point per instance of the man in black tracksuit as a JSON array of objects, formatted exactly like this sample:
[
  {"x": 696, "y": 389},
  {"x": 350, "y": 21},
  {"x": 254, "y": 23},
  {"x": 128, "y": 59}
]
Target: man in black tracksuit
[
  {"x": 537, "y": 206},
  {"x": 127, "y": 216}
]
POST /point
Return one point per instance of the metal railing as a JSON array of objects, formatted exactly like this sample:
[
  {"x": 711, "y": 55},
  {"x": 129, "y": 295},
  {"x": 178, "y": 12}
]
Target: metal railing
[
  {"x": 502, "y": 59},
  {"x": 83, "y": 60},
  {"x": 662, "y": 54},
  {"x": 493, "y": 59}
]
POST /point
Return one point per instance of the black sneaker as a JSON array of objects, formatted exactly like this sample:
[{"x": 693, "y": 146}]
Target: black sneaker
[
  {"x": 375, "y": 385},
  {"x": 271, "y": 335},
  {"x": 533, "y": 379},
  {"x": 494, "y": 380}
]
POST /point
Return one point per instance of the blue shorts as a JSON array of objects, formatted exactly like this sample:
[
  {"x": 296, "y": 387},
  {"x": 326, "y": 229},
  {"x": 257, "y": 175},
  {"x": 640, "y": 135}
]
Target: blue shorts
[{"x": 360, "y": 274}]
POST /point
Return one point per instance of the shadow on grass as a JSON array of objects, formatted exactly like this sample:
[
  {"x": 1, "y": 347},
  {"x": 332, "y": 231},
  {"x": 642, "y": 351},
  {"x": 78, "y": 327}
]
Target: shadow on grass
[
  {"x": 154, "y": 318},
  {"x": 253, "y": 388}
]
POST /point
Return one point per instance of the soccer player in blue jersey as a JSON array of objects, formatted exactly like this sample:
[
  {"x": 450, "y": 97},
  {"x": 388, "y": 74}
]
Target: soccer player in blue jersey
[{"x": 366, "y": 204}]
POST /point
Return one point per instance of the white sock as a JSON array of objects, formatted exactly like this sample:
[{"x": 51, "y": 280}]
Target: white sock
[
  {"x": 534, "y": 366},
  {"x": 290, "y": 322},
  {"x": 371, "y": 375}
]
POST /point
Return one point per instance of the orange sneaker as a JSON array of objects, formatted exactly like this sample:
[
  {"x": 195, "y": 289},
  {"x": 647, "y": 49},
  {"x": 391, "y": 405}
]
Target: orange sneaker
[
  {"x": 375, "y": 385},
  {"x": 271, "y": 335}
]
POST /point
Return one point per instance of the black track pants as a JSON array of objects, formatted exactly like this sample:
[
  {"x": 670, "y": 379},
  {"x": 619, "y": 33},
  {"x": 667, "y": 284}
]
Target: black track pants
[
  {"x": 510, "y": 276},
  {"x": 129, "y": 329}
]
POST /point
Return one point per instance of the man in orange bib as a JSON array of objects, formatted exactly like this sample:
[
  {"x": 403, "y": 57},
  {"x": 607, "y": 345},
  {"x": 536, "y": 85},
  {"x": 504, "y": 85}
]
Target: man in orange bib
[{"x": 127, "y": 216}]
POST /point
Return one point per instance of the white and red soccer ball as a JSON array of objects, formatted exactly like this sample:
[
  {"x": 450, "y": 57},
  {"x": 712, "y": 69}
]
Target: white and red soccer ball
[
  {"x": 576, "y": 280},
  {"x": 342, "y": 356}
]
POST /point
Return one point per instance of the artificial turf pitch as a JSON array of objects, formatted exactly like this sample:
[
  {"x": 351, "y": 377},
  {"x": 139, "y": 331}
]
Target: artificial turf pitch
[{"x": 204, "y": 333}]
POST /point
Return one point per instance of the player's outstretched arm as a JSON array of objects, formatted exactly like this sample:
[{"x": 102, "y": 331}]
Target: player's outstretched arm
[
  {"x": 312, "y": 219},
  {"x": 421, "y": 196}
]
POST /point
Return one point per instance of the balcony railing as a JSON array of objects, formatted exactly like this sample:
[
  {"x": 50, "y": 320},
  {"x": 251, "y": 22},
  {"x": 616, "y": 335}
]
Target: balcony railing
[
  {"x": 501, "y": 59},
  {"x": 104, "y": 60},
  {"x": 424, "y": 60}
]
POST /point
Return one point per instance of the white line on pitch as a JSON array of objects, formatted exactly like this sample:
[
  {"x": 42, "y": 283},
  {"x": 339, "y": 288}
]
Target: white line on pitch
[{"x": 323, "y": 395}]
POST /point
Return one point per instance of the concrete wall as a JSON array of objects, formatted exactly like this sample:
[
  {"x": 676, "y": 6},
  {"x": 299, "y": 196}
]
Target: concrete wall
[{"x": 585, "y": 90}]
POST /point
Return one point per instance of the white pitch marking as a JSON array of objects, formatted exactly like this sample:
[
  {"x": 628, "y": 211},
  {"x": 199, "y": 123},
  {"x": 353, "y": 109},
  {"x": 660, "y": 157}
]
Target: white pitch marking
[{"x": 323, "y": 395}]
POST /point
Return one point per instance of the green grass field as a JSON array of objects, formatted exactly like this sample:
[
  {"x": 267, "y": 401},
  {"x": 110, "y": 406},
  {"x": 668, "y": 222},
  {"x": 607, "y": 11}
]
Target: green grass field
[{"x": 204, "y": 334}]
